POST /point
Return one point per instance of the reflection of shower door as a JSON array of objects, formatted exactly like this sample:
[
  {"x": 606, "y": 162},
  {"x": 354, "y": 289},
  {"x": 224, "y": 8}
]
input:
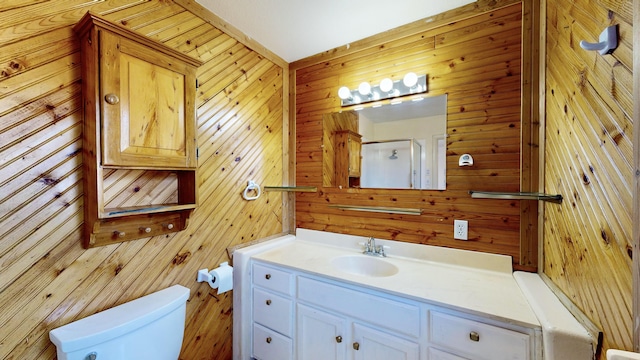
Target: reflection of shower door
[{"x": 391, "y": 164}]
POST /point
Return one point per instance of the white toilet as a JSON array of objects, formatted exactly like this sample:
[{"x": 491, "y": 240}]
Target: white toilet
[{"x": 151, "y": 327}]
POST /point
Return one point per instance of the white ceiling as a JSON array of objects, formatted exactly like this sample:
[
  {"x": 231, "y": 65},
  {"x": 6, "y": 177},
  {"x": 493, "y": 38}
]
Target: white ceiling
[{"x": 295, "y": 29}]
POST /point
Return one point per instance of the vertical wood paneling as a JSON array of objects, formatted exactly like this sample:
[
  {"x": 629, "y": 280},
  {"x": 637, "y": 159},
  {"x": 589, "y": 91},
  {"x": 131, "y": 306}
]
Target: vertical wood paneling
[
  {"x": 589, "y": 157},
  {"x": 46, "y": 278},
  {"x": 476, "y": 61}
]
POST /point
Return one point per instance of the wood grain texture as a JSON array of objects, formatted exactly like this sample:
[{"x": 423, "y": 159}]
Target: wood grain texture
[
  {"x": 589, "y": 158},
  {"x": 476, "y": 61},
  {"x": 46, "y": 278}
]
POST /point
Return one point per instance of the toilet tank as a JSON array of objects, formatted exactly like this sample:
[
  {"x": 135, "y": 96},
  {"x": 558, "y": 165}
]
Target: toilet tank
[{"x": 150, "y": 327}]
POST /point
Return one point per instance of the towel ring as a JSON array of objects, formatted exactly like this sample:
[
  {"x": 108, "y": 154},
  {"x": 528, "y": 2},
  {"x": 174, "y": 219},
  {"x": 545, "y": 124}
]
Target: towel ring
[{"x": 251, "y": 186}]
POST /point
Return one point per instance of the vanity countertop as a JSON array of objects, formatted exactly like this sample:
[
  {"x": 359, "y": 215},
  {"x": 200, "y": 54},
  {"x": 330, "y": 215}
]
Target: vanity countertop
[{"x": 462, "y": 280}]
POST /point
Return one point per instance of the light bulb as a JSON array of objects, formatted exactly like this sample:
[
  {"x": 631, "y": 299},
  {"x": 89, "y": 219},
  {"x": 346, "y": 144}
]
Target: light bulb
[
  {"x": 386, "y": 85},
  {"x": 410, "y": 80},
  {"x": 364, "y": 88},
  {"x": 344, "y": 93}
]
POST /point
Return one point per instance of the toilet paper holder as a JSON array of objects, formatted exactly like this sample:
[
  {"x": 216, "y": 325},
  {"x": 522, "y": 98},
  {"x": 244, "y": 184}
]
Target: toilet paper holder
[{"x": 213, "y": 277}]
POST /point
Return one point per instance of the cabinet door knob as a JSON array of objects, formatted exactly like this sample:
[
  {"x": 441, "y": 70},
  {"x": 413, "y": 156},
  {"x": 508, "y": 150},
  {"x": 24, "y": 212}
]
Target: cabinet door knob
[
  {"x": 268, "y": 302},
  {"x": 168, "y": 226},
  {"x": 356, "y": 346},
  {"x": 111, "y": 99},
  {"x": 269, "y": 340},
  {"x": 268, "y": 276},
  {"x": 474, "y": 336},
  {"x": 119, "y": 234},
  {"x": 338, "y": 339},
  {"x": 145, "y": 229}
]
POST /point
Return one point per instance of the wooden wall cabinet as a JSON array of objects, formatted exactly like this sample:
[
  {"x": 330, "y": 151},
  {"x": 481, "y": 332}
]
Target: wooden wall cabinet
[
  {"x": 139, "y": 149},
  {"x": 348, "y": 146}
]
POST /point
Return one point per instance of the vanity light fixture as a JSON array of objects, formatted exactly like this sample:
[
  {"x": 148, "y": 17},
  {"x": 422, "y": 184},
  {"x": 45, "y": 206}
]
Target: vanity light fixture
[
  {"x": 364, "y": 89},
  {"x": 386, "y": 85},
  {"x": 410, "y": 84},
  {"x": 410, "y": 80},
  {"x": 344, "y": 93}
]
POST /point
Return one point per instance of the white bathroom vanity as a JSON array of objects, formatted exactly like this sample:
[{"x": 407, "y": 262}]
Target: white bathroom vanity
[{"x": 317, "y": 296}]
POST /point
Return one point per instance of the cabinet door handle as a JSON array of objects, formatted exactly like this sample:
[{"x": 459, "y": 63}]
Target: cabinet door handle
[
  {"x": 119, "y": 234},
  {"x": 111, "y": 99},
  {"x": 268, "y": 276},
  {"x": 269, "y": 340},
  {"x": 145, "y": 229},
  {"x": 474, "y": 336},
  {"x": 338, "y": 339},
  {"x": 268, "y": 302},
  {"x": 356, "y": 346}
]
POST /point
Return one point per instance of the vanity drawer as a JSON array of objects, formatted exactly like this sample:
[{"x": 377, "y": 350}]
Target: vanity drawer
[
  {"x": 273, "y": 311},
  {"x": 273, "y": 279},
  {"x": 401, "y": 317},
  {"x": 477, "y": 340},
  {"x": 269, "y": 345}
]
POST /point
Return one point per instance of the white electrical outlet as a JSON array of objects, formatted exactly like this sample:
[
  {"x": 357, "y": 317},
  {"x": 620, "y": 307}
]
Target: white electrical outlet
[{"x": 460, "y": 229}]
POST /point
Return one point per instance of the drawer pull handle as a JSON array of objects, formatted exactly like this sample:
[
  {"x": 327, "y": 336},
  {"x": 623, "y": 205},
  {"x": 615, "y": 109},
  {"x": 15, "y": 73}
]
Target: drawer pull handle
[
  {"x": 111, "y": 99},
  {"x": 356, "y": 346},
  {"x": 338, "y": 339},
  {"x": 145, "y": 229},
  {"x": 119, "y": 234},
  {"x": 269, "y": 340},
  {"x": 268, "y": 302},
  {"x": 474, "y": 336},
  {"x": 268, "y": 276}
]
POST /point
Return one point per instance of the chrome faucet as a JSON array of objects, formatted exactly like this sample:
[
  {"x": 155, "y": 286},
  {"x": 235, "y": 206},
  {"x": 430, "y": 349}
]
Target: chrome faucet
[{"x": 370, "y": 248}]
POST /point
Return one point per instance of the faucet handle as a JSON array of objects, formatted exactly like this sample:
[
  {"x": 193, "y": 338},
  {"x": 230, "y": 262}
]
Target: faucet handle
[{"x": 380, "y": 250}]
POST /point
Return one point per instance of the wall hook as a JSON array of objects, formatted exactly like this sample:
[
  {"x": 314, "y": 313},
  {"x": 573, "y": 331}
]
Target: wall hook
[{"x": 608, "y": 41}]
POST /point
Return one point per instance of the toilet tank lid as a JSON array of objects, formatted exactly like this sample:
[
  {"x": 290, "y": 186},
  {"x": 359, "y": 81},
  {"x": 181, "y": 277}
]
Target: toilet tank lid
[{"x": 119, "y": 320}]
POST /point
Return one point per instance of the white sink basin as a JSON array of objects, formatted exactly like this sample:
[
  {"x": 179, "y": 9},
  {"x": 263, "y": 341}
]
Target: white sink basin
[
  {"x": 621, "y": 355},
  {"x": 364, "y": 265}
]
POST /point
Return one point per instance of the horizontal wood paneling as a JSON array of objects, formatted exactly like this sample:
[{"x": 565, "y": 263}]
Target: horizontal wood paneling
[
  {"x": 476, "y": 61},
  {"x": 46, "y": 278},
  {"x": 589, "y": 157}
]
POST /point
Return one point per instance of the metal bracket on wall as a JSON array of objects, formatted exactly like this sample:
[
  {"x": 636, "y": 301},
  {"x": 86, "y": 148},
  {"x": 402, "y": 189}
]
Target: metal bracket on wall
[
  {"x": 291, "y": 188},
  {"x": 557, "y": 199},
  {"x": 379, "y": 209}
]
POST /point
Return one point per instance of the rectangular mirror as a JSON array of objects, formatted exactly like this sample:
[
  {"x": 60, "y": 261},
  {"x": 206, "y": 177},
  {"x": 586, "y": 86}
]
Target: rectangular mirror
[{"x": 400, "y": 146}]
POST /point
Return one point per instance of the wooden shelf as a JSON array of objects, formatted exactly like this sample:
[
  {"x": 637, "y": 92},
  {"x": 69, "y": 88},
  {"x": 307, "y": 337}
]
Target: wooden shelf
[
  {"x": 516, "y": 196},
  {"x": 137, "y": 210}
]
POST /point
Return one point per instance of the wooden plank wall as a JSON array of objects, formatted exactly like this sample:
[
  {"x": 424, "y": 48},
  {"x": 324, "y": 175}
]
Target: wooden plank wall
[
  {"x": 589, "y": 159},
  {"x": 46, "y": 278},
  {"x": 473, "y": 54}
]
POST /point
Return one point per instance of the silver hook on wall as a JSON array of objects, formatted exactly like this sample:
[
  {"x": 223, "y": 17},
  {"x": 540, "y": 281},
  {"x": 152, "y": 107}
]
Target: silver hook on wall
[{"x": 608, "y": 41}]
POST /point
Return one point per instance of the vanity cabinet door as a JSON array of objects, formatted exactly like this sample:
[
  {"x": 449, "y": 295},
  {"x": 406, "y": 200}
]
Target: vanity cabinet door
[
  {"x": 435, "y": 354},
  {"x": 147, "y": 106},
  {"x": 371, "y": 344},
  {"x": 320, "y": 335}
]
